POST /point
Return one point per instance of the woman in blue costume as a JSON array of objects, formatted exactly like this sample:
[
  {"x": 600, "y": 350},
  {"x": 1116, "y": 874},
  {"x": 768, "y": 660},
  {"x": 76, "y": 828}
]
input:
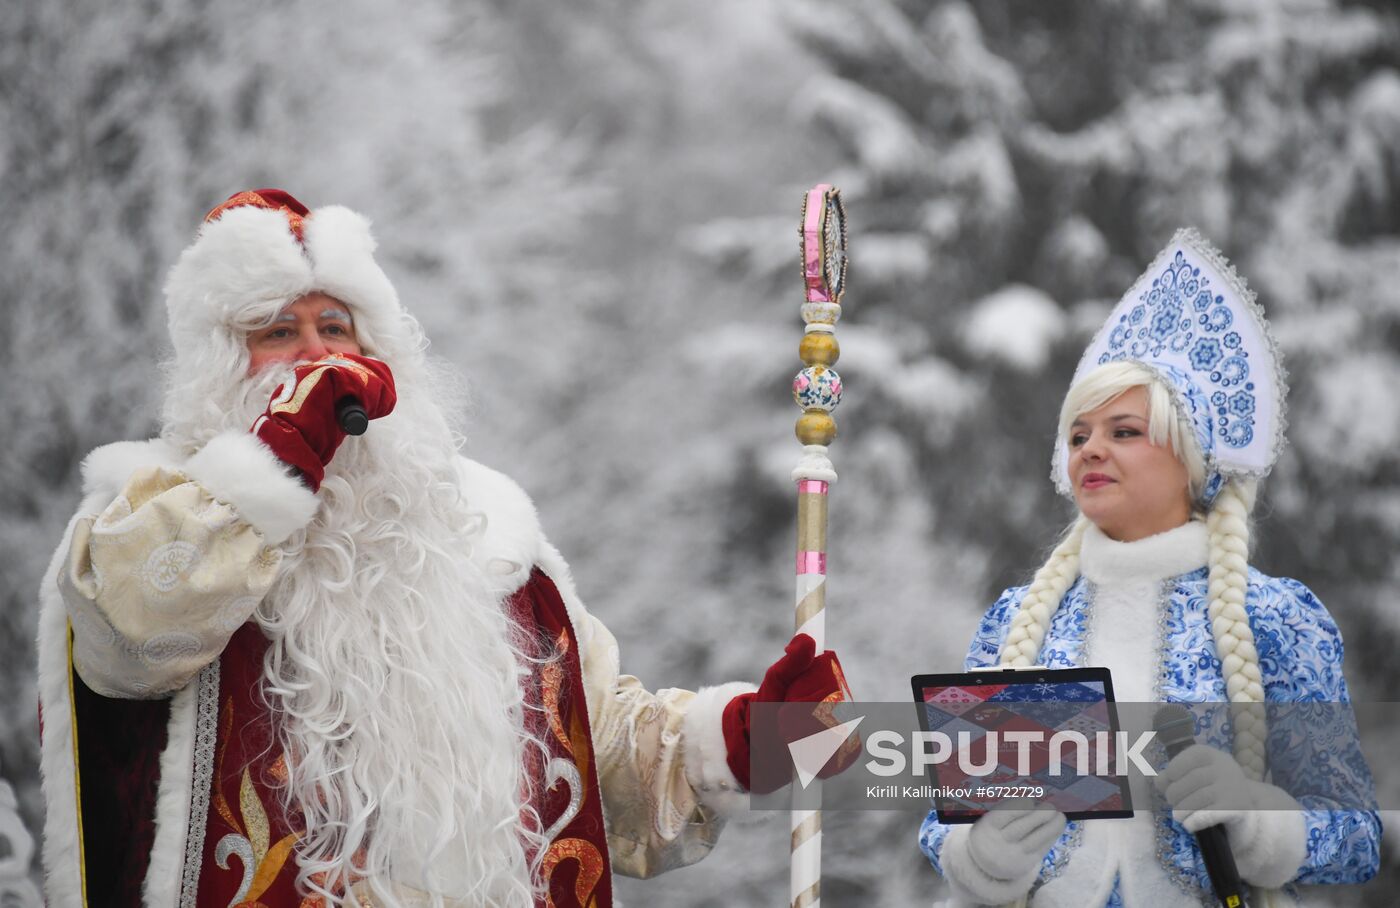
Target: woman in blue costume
[{"x": 1175, "y": 413}]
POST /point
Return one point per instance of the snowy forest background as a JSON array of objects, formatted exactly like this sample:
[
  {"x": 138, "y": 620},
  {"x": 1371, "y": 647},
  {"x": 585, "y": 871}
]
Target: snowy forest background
[{"x": 592, "y": 207}]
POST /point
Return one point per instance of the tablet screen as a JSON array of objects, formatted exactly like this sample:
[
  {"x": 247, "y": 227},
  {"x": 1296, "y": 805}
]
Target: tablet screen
[{"x": 1045, "y": 735}]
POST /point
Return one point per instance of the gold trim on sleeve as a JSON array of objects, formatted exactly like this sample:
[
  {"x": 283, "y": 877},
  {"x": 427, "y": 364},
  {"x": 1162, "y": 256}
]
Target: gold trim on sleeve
[{"x": 77, "y": 777}]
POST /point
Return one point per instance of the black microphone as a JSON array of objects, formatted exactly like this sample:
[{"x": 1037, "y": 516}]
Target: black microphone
[
  {"x": 350, "y": 414},
  {"x": 1177, "y": 731}
]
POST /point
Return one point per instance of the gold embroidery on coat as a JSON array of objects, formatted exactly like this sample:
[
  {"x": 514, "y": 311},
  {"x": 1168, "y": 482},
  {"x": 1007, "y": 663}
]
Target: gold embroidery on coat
[
  {"x": 553, "y": 684},
  {"x": 263, "y": 861},
  {"x": 590, "y": 869},
  {"x": 225, "y": 732},
  {"x": 576, "y": 745}
]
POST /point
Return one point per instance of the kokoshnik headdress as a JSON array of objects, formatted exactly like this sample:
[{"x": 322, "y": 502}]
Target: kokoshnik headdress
[{"x": 1192, "y": 320}]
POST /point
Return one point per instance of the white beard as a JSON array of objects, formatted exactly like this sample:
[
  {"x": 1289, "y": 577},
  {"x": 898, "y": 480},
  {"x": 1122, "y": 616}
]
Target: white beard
[{"x": 392, "y": 675}]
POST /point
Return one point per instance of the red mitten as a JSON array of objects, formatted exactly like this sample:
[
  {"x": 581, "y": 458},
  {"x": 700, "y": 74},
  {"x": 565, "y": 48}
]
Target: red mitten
[
  {"x": 300, "y": 423},
  {"x": 800, "y": 676}
]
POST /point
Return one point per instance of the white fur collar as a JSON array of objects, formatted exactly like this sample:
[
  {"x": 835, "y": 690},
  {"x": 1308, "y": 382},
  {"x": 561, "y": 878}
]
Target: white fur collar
[
  {"x": 507, "y": 551},
  {"x": 1170, "y": 554},
  {"x": 511, "y": 543}
]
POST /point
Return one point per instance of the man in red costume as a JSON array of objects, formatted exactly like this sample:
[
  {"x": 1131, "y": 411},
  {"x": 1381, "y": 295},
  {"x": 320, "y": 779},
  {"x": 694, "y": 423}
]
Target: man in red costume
[{"x": 281, "y": 666}]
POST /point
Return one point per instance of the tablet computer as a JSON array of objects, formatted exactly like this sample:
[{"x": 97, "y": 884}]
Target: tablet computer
[{"x": 1050, "y": 735}]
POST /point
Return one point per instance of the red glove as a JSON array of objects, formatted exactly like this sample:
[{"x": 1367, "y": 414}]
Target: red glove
[
  {"x": 300, "y": 423},
  {"x": 800, "y": 676}
]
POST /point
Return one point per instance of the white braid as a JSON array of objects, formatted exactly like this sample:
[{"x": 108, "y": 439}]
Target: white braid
[
  {"x": 1022, "y": 646},
  {"x": 1228, "y": 585},
  {"x": 1228, "y": 523}
]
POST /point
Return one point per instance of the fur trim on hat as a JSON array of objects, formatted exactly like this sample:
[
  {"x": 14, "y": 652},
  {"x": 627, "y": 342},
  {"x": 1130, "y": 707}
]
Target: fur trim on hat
[
  {"x": 247, "y": 256},
  {"x": 341, "y": 249},
  {"x": 247, "y": 265}
]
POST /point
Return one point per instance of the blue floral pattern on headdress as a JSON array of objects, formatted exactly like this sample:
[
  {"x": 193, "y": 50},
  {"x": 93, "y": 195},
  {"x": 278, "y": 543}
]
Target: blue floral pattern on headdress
[
  {"x": 1191, "y": 317},
  {"x": 1182, "y": 313}
]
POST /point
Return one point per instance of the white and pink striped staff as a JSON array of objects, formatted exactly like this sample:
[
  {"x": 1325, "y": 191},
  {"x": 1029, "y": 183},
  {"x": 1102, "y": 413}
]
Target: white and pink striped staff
[{"x": 817, "y": 389}]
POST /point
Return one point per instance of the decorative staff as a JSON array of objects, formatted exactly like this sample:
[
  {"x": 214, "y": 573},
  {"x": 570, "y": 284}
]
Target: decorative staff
[{"x": 817, "y": 389}]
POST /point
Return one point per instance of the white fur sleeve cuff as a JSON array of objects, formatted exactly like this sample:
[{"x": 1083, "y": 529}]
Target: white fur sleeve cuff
[
  {"x": 970, "y": 883},
  {"x": 1273, "y": 849},
  {"x": 706, "y": 766},
  {"x": 238, "y": 469}
]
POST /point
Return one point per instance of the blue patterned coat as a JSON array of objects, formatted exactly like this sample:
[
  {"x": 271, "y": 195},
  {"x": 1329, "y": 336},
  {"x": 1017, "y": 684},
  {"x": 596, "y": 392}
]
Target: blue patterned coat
[{"x": 1300, "y": 659}]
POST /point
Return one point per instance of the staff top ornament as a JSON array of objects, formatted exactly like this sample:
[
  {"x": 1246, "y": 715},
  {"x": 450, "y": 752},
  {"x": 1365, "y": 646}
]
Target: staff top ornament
[
  {"x": 1192, "y": 319},
  {"x": 824, "y": 244},
  {"x": 817, "y": 388}
]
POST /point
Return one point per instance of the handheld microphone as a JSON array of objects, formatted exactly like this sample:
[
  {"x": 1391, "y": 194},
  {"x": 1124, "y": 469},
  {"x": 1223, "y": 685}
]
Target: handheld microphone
[
  {"x": 1177, "y": 730},
  {"x": 350, "y": 415}
]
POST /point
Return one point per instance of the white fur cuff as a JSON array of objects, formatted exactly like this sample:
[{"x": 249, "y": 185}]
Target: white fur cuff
[
  {"x": 106, "y": 469},
  {"x": 240, "y": 470},
  {"x": 706, "y": 767},
  {"x": 970, "y": 883},
  {"x": 1274, "y": 844}
]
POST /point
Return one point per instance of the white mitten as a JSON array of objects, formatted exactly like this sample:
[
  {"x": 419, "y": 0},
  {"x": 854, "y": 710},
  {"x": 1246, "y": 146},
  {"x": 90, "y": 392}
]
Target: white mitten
[
  {"x": 1206, "y": 787},
  {"x": 997, "y": 858}
]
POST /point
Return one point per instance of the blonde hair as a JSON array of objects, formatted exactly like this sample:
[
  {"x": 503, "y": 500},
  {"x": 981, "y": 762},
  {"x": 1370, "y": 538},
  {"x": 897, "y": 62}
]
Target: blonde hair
[
  {"x": 1166, "y": 423},
  {"x": 1227, "y": 589},
  {"x": 1227, "y": 522}
]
